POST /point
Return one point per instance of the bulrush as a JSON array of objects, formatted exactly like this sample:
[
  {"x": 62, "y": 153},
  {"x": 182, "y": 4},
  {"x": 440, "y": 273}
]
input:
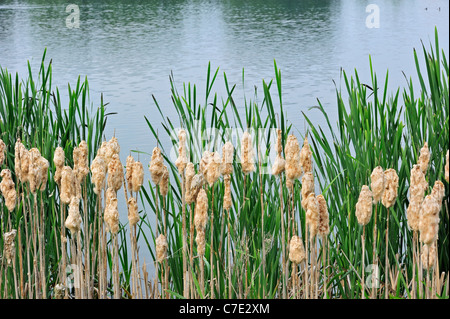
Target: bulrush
[
  {"x": 2, "y": 151},
  {"x": 161, "y": 248},
  {"x": 73, "y": 221},
  {"x": 80, "y": 161},
  {"x": 201, "y": 211},
  {"x": 115, "y": 173},
  {"x": 156, "y": 167},
  {"x": 58, "y": 160},
  {"x": 280, "y": 164},
  {"x": 9, "y": 246},
  {"x": 390, "y": 188},
  {"x": 98, "y": 169},
  {"x": 112, "y": 216},
  {"x": 428, "y": 256},
  {"x": 424, "y": 158},
  {"x": 164, "y": 184},
  {"x": 25, "y": 162},
  {"x": 417, "y": 188},
  {"x": 227, "y": 159},
  {"x": 364, "y": 206},
  {"x": 110, "y": 194},
  {"x": 429, "y": 220},
  {"x": 446, "y": 169},
  {"x": 213, "y": 168},
  {"x": 296, "y": 250},
  {"x": 182, "y": 159},
  {"x": 133, "y": 214},
  {"x": 305, "y": 156},
  {"x": 197, "y": 183},
  {"x": 8, "y": 190},
  {"x": 111, "y": 148},
  {"x": 438, "y": 192},
  {"x": 292, "y": 152},
  {"x": 377, "y": 184},
  {"x": 324, "y": 219},
  {"x": 189, "y": 175},
  {"x": 206, "y": 157},
  {"x": 247, "y": 153},
  {"x": 312, "y": 215},
  {"x": 67, "y": 185},
  {"x": 37, "y": 171},
  {"x": 307, "y": 188},
  {"x": 227, "y": 192},
  {"x": 201, "y": 242},
  {"x": 137, "y": 178},
  {"x": 129, "y": 172}
]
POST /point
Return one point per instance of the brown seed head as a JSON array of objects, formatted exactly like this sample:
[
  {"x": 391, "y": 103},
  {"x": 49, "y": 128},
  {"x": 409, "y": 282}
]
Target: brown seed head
[
  {"x": 428, "y": 256},
  {"x": 73, "y": 221},
  {"x": 133, "y": 214},
  {"x": 324, "y": 220},
  {"x": 247, "y": 153},
  {"x": 9, "y": 246},
  {"x": 68, "y": 188},
  {"x": 129, "y": 172},
  {"x": 201, "y": 211},
  {"x": 307, "y": 187},
  {"x": 2, "y": 151},
  {"x": 8, "y": 190},
  {"x": 424, "y": 158},
  {"x": 164, "y": 185},
  {"x": 156, "y": 166},
  {"x": 201, "y": 243},
  {"x": 279, "y": 165},
  {"x": 98, "y": 169},
  {"x": 438, "y": 192},
  {"x": 429, "y": 220},
  {"x": 296, "y": 250},
  {"x": 111, "y": 216},
  {"x": 182, "y": 159},
  {"x": 312, "y": 215},
  {"x": 137, "y": 179},
  {"x": 188, "y": 175},
  {"x": 306, "y": 157},
  {"x": 161, "y": 248},
  {"x": 227, "y": 158},
  {"x": 115, "y": 173},
  {"x": 390, "y": 188},
  {"x": 227, "y": 193},
  {"x": 364, "y": 206},
  {"x": 292, "y": 152},
  {"x": 377, "y": 184}
]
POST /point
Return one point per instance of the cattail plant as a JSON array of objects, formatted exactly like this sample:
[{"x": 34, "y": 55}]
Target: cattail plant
[
  {"x": 200, "y": 220},
  {"x": 8, "y": 190},
  {"x": 9, "y": 255},
  {"x": 363, "y": 214},
  {"x": 377, "y": 185},
  {"x": 296, "y": 256},
  {"x": 424, "y": 158},
  {"x": 312, "y": 228},
  {"x": 324, "y": 230}
]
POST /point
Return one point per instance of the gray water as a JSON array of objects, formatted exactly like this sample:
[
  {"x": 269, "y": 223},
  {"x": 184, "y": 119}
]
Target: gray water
[{"x": 128, "y": 49}]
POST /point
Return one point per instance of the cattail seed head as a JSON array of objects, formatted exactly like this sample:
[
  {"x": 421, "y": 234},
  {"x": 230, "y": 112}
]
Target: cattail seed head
[
  {"x": 2, "y": 151},
  {"x": 80, "y": 161},
  {"x": 447, "y": 168},
  {"x": 247, "y": 153},
  {"x": 227, "y": 193},
  {"x": 306, "y": 156},
  {"x": 25, "y": 162},
  {"x": 73, "y": 221},
  {"x": 101, "y": 152},
  {"x": 182, "y": 160},
  {"x": 417, "y": 188},
  {"x": 156, "y": 166},
  {"x": 292, "y": 152},
  {"x": 312, "y": 215},
  {"x": 68, "y": 189},
  {"x": 112, "y": 148},
  {"x": 227, "y": 159},
  {"x": 43, "y": 165},
  {"x": 279, "y": 165},
  {"x": 201, "y": 242},
  {"x": 110, "y": 194},
  {"x": 9, "y": 246},
  {"x": 98, "y": 169},
  {"x": 137, "y": 179},
  {"x": 111, "y": 216},
  {"x": 279, "y": 142},
  {"x": 115, "y": 173},
  {"x": 429, "y": 220},
  {"x": 201, "y": 211},
  {"x": 129, "y": 172},
  {"x": 58, "y": 160},
  {"x": 34, "y": 172},
  {"x": 307, "y": 188},
  {"x": 161, "y": 248},
  {"x": 188, "y": 175},
  {"x": 364, "y": 206},
  {"x": 390, "y": 188},
  {"x": 296, "y": 250},
  {"x": 196, "y": 184},
  {"x": 324, "y": 219},
  {"x": 164, "y": 185},
  {"x": 428, "y": 256},
  {"x": 377, "y": 184},
  {"x": 213, "y": 168},
  {"x": 424, "y": 158},
  {"x": 133, "y": 214},
  {"x": 438, "y": 192},
  {"x": 8, "y": 190}
]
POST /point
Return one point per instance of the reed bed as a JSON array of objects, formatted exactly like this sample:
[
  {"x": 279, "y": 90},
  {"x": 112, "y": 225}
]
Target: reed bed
[{"x": 353, "y": 210}]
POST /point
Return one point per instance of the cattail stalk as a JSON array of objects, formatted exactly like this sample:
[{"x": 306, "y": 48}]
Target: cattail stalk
[{"x": 377, "y": 187}]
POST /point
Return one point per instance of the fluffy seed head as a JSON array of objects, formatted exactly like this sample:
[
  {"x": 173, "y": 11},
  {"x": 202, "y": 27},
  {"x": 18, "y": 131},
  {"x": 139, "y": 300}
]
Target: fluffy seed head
[
  {"x": 115, "y": 173},
  {"x": 137, "y": 177},
  {"x": 112, "y": 148},
  {"x": 428, "y": 256},
  {"x": 188, "y": 175},
  {"x": 312, "y": 215},
  {"x": 213, "y": 168},
  {"x": 129, "y": 172},
  {"x": 438, "y": 192},
  {"x": 306, "y": 156},
  {"x": 279, "y": 142},
  {"x": 227, "y": 158},
  {"x": 8, "y": 190},
  {"x": 429, "y": 220},
  {"x": 377, "y": 184},
  {"x": 25, "y": 163},
  {"x": 424, "y": 158},
  {"x": 324, "y": 220},
  {"x": 296, "y": 250},
  {"x": 98, "y": 169},
  {"x": 227, "y": 193},
  {"x": 247, "y": 153},
  {"x": 364, "y": 206},
  {"x": 111, "y": 216},
  {"x": 279, "y": 165},
  {"x": 390, "y": 188},
  {"x": 201, "y": 243},
  {"x": 164, "y": 185},
  {"x": 68, "y": 188},
  {"x": 182, "y": 160},
  {"x": 2, "y": 151},
  {"x": 197, "y": 183},
  {"x": 307, "y": 187},
  {"x": 73, "y": 221},
  {"x": 81, "y": 161},
  {"x": 156, "y": 166},
  {"x": 201, "y": 211},
  {"x": 161, "y": 248},
  {"x": 110, "y": 194},
  {"x": 133, "y": 214},
  {"x": 9, "y": 246},
  {"x": 59, "y": 157},
  {"x": 292, "y": 152},
  {"x": 417, "y": 188}
]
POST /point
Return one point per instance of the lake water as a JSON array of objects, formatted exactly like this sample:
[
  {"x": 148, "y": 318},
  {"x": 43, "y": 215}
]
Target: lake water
[{"x": 128, "y": 49}]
